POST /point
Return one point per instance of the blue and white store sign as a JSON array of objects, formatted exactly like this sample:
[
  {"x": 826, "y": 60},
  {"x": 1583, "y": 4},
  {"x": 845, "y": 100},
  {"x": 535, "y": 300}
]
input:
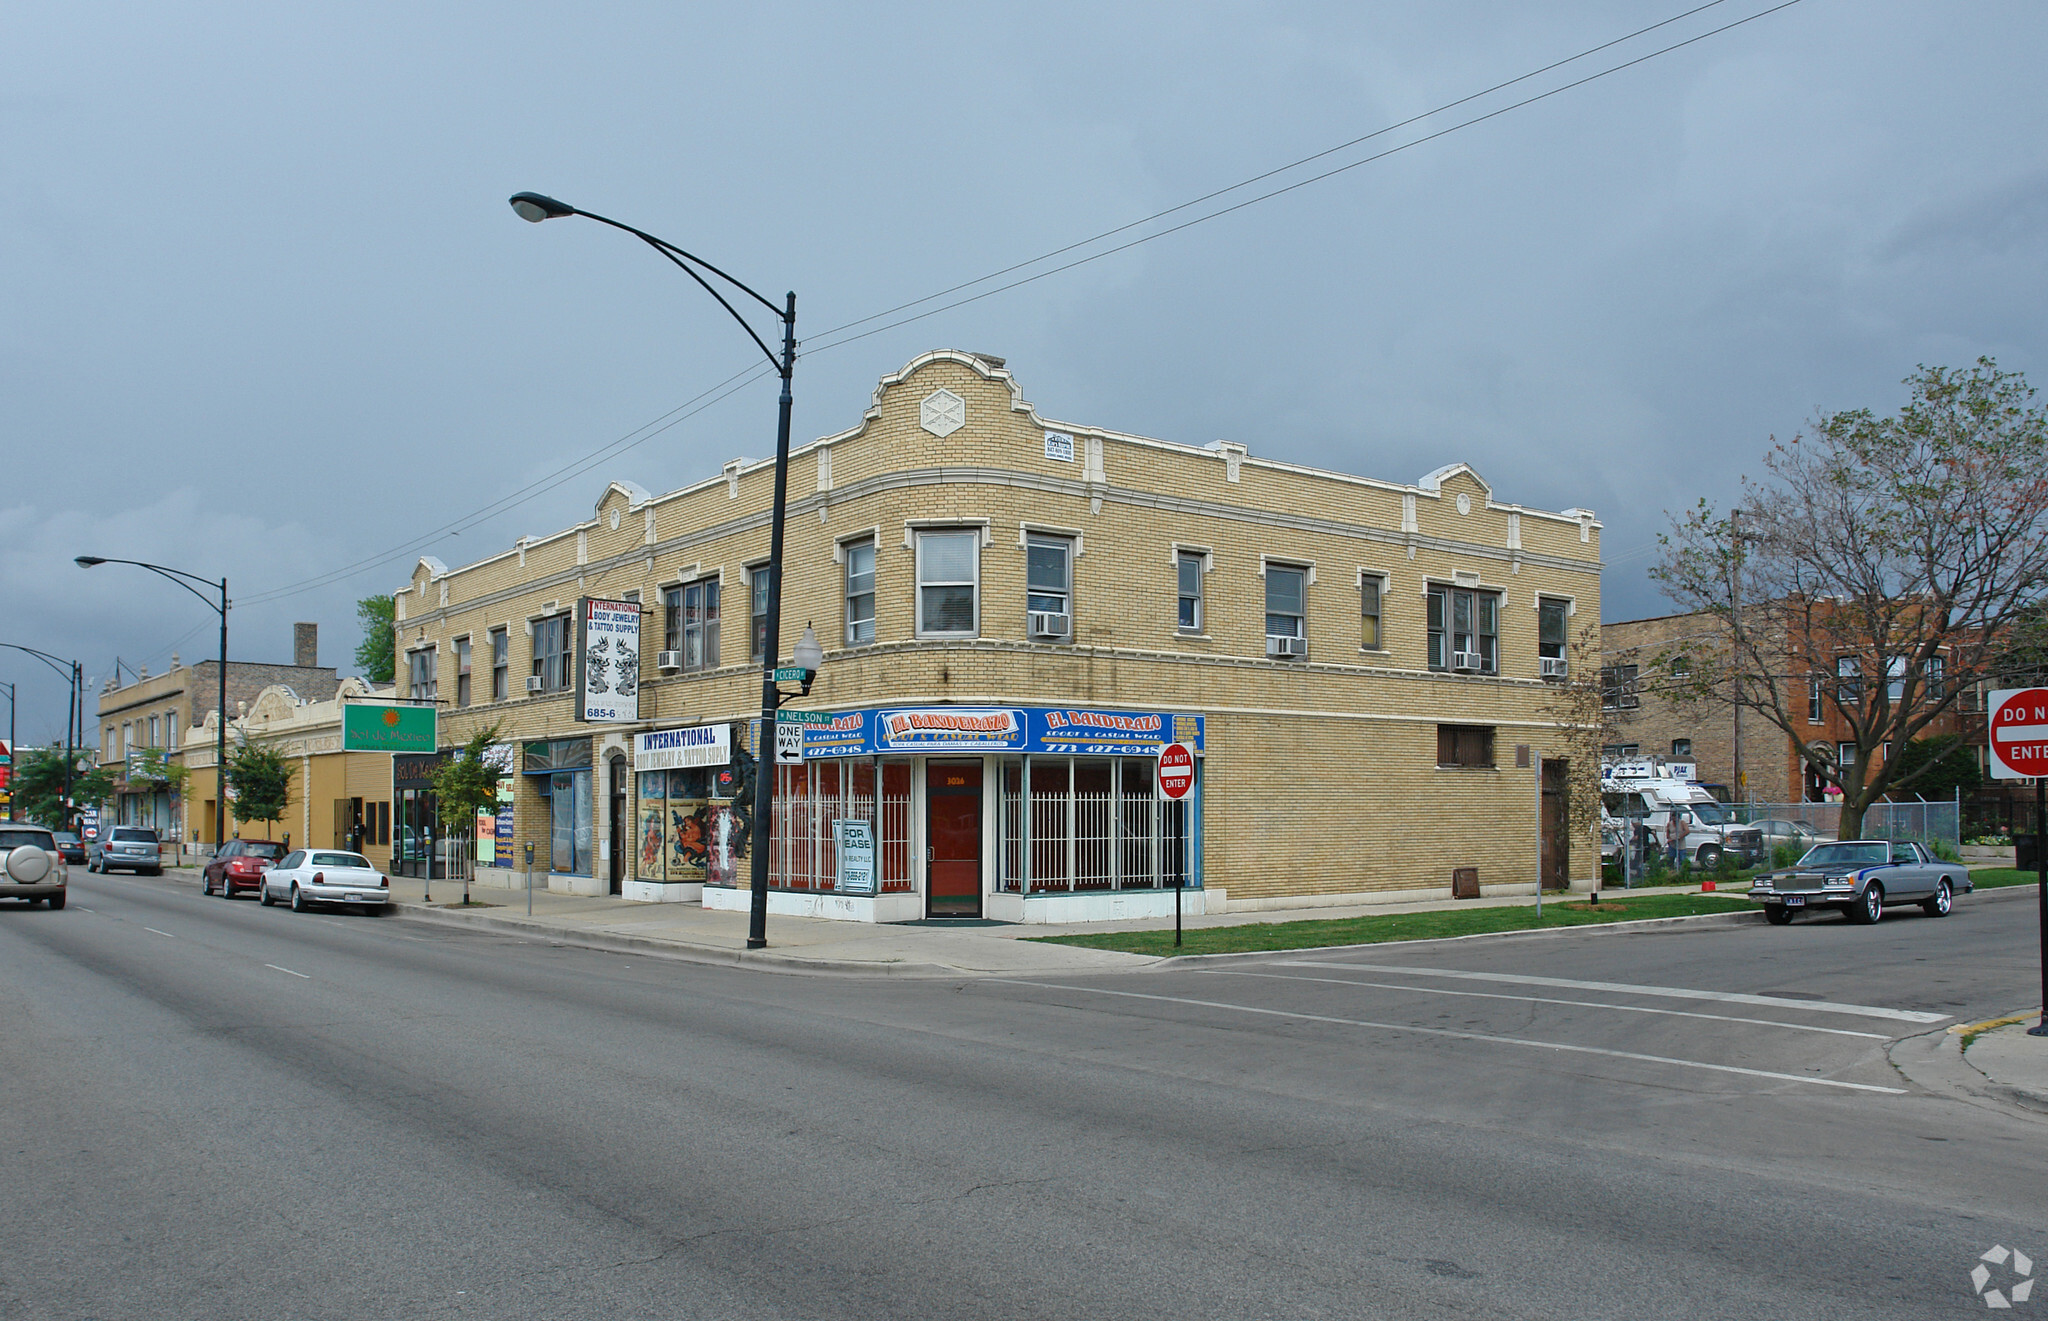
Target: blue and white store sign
[{"x": 951, "y": 730}]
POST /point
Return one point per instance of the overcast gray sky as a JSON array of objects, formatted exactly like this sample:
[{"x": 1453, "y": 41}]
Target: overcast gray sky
[{"x": 268, "y": 314}]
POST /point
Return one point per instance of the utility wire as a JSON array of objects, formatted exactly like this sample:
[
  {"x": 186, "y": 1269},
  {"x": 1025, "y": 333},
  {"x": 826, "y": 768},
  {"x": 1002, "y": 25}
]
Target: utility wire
[
  {"x": 740, "y": 380},
  {"x": 1303, "y": 183},
  {"x": 1268, "y": 174}
]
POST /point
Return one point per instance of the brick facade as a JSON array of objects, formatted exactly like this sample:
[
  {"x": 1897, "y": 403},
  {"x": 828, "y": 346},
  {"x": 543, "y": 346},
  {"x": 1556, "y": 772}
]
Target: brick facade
[{"x": 1321, "y": 775}]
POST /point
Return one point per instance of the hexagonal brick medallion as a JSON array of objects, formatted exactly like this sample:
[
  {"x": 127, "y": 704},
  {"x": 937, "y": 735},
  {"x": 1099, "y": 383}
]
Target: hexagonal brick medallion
[{"x": 942, "y": 413}]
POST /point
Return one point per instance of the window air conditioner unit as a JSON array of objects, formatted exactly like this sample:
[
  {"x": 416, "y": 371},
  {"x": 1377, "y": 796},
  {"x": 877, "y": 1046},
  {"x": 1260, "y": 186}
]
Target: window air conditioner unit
[
  {"x": 1555, "y": 667},
  {"x": 1283, "y": 646},
  {"x": 668, "y": 660},
  {"x": 533, "y": 683},
  {"x": 1464, "y": 660},
  {"x": 1046, "y": 624}
]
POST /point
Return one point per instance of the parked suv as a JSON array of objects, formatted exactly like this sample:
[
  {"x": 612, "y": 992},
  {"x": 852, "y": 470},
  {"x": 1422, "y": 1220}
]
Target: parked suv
[
  {"x": 239, "y": 866},
  {"x": 126, "y": 848},
  {"x": 31, "y": 868}
]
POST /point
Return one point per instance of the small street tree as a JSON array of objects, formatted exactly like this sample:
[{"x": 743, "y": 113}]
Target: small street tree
[
  {"x": 260, "y": 781},
  {"x": 377, "y": 653},
  {"x": 1586, "y": 724},
  {"x": 38, "y": 786},
  {"x": 464, "y": 785},
  {"x": 1875, "y": 572}
]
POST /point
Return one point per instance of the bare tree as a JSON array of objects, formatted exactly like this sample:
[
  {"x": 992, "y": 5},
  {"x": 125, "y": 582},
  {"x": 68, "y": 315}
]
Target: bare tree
[
  {"x": 1586, "y": 724},
  {"x": 1876, "y": 570}
]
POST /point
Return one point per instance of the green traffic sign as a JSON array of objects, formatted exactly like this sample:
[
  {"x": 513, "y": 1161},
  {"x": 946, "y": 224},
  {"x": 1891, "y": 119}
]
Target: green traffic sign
[
  {"x": 367, "y": 727},
  {"x": 803, "y": 717},
  {"x": 791, "y": 674}
]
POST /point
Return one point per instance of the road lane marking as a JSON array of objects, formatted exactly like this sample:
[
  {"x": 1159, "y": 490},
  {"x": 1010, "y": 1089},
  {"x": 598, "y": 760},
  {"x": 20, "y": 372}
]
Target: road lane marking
[
  {"x": 160, "y": 933},
  {"x": 1626, "y": 988},
  {"x": 307, "y": 976},
  {"x": 1464, "y": 1036},
  {"x": 1548, "y": 1000}
]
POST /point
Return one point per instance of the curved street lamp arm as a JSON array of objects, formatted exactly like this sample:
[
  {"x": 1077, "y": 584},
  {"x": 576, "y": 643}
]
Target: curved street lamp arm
[
  {"x": 57, "y": 663},
  {"x": 689, "y": 261},
  {"x": 180, "y": 577}
]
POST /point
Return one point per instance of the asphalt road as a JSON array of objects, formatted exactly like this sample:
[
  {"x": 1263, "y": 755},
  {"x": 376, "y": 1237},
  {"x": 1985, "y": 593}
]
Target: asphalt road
[{"x": 222, "y": 1111}]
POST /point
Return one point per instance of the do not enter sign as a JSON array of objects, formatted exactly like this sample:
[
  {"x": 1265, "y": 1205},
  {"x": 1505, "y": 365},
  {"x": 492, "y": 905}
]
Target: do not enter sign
[
  {"x": 2019, "y": 733},
  {"x": 1176, "y": 771}
]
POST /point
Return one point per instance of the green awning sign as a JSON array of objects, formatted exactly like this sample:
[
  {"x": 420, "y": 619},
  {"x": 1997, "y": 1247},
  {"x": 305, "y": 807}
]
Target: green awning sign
[{"x": 366, "y": 727}]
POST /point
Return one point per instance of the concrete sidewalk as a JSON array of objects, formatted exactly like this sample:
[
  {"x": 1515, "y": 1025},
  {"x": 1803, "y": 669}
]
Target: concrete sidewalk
[
  {"x": 2013, "y": 1064},
  {"x": 930, "y": 949}
]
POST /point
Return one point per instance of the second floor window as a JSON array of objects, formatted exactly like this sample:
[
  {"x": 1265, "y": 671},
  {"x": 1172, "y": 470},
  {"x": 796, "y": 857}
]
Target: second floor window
[
  {"x": 1550, "y": 630},
  {"x": 1618, "y": 688},
  {"x": 860, "y": 593},
  {"x": 501, "y": 664},
  {"x": 1816, "y": 692},
  {"x": 1048, "y": 585},
  {"x": 171, "y": 731},
  {"x": 948, "y": 578},
  {"x": 420, "y": 673},
  {"x": 1848, "y": 681},
  {"x": 1286, "y": 602},
  {"x": 690, "y": 623},
  {"x": 462, "y": 671},
  {"x": 1464, "y": 630},
  {"x": 1188, "y": 567},
  {"x": 551, "y": 642},
  {"x": 1371, "y": 592}
]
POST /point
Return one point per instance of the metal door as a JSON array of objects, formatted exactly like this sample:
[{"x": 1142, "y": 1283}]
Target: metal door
[{"x": 953, "y": 839}]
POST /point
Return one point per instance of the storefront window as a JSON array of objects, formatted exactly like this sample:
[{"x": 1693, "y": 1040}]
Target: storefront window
[
  {"x": 569, "y": 824},
  {"x": 1093, "y": 823},
  {"x": 808, "y": 798},
  {"x": 687, "y": 831}
]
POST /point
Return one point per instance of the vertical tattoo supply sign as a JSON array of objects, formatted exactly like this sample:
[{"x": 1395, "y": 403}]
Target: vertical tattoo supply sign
[{"x": 607, "y": 661}]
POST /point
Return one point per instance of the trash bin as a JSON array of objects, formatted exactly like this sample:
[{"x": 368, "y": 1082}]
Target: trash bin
[{"x": 2026, "y": 852}]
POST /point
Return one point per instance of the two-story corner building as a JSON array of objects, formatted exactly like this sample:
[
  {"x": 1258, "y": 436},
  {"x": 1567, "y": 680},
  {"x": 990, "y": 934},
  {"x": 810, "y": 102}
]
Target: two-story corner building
[
  {"x": 1017, "y": 614},
  {"x": 160, "y": 711}
]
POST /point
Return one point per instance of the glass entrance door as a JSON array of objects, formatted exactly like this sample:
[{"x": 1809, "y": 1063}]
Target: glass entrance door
[{"x": 953, "y": 838}]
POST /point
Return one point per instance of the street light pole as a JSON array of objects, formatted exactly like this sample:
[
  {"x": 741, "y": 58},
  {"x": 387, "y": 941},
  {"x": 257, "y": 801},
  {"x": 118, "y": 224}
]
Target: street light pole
[
  {"x": 72, "y": 724},
  {"x": 11, "y": 754},
  {"x": 220, "y": 740},
  {"x": 537, "y": 207}
]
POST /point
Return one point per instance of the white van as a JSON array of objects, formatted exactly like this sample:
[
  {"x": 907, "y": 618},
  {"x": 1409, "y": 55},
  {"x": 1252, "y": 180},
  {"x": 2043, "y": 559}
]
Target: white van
[{"x": 1648, "y": 793}]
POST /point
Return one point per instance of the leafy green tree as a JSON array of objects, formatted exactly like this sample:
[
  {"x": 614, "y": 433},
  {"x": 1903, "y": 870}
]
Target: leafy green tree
[
  {"x": 1940, "y": 767},
  {"x": 464, "y": 785},
  {"x": 260, "y": 779},
  {"x": 1880, "y": 565},
  {"x": 376, "y": 654},
  {"x": 155, "y": 764},
  {"x": 38, "y": 785}
]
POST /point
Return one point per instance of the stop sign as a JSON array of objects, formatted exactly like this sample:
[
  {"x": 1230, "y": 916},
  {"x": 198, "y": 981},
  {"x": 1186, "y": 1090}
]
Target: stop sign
[
  {"x": 2019, "y": 733},
  {"x": 1176, "y": 771}
]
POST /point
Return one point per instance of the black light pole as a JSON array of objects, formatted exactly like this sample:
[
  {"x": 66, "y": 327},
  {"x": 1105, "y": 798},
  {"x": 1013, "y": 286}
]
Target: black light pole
[
  {"x": 73, "y": 725},
  {"x": 537, "y": 207},
  {"x": 10, "y": 751},
  {"x": 220, "y": 742}
]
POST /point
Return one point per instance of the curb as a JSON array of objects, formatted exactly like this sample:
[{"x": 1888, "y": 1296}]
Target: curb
[
  {"x": 763, "y": 960},
  {"x": 1934, "y": 1061},
  {"x": 1699, "y": 921}
]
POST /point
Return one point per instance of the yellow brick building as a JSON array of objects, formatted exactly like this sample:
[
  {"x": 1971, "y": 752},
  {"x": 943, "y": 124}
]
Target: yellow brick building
[{"x": 1016, "y": 613}]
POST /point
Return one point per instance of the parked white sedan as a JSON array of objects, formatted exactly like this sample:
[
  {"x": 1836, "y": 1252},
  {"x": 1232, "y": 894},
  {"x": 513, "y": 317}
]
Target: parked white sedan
[{"x": 325, "y": 876}]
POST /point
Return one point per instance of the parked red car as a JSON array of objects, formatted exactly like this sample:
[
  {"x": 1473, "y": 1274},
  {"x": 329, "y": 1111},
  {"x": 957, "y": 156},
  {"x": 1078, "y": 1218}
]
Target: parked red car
[{"x": 239, "y": 865}]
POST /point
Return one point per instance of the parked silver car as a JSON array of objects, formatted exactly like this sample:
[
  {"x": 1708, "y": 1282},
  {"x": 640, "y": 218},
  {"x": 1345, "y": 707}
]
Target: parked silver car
[
  {"x": 126, "y": 848},
  {"x": 31, "y": 868},
  {"x": 306, "y": 877},
  {"x": 1860, "y": 876},
  {"x": 1778, "y": 830}
]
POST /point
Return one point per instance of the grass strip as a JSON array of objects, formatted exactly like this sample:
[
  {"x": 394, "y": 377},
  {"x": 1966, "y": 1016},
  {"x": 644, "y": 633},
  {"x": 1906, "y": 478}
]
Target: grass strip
[
  {"x": 1998, "y": 878},
  {"x": 1433, "y": 925}
]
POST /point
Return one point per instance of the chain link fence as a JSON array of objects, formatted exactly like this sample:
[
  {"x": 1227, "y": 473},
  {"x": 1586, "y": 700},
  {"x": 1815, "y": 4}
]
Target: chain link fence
[{"x": 1937, "y": 825}]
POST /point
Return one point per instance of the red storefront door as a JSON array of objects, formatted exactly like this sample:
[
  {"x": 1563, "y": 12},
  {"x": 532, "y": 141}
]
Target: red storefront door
[{"x": 953, "y": 835}]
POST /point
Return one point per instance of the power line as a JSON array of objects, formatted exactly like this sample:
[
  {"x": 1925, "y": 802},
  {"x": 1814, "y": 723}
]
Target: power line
[
  {"x": 1303, "y": 183},
  {"x": 716, "y": 393}
]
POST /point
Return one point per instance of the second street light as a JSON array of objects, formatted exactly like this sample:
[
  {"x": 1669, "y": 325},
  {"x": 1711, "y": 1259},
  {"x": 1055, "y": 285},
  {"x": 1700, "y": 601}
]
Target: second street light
[
  {"x": 220, "y": 742},
  {"x": 537, "y": 207},
  {"x": 74, "y": 723}
]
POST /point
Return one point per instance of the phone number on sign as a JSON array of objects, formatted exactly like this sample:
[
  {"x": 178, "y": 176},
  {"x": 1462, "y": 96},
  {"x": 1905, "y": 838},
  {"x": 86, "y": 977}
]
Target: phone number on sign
[{"x": 1103, "y": 749}]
